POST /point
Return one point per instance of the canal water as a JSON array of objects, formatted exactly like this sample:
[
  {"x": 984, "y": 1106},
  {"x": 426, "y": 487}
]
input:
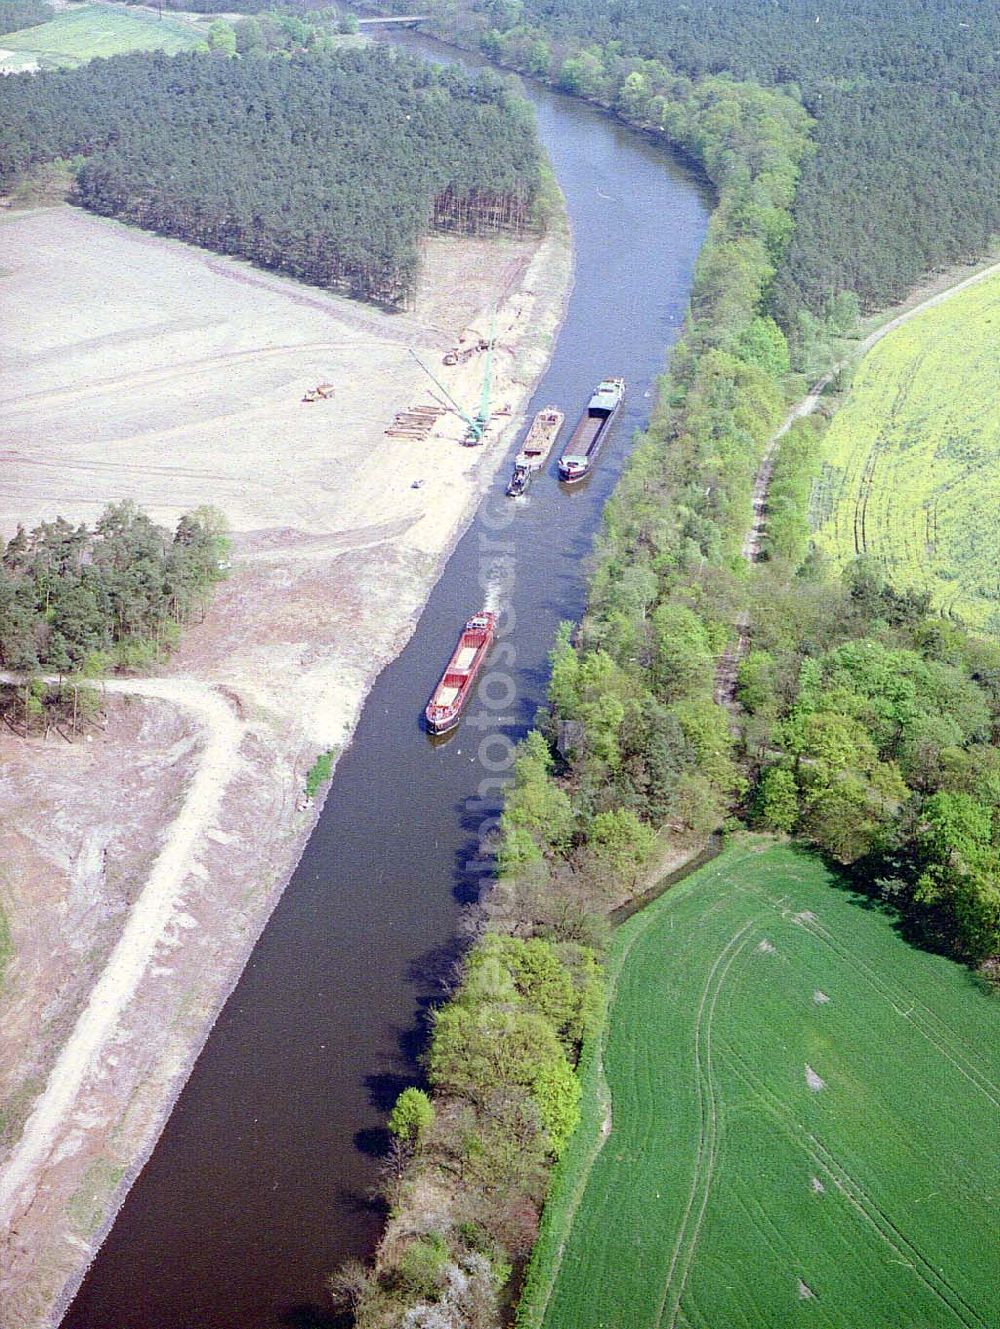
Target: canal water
[{"x": 261, "y": 1182}]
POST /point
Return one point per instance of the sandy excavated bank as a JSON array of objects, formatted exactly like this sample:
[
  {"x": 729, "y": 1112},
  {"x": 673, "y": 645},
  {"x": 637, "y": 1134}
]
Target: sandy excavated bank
[
  {"x": 134, "y": 367},
  {"x": 142, "y": 368}
]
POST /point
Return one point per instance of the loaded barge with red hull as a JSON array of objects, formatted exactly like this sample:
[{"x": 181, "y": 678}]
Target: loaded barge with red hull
[
  {"x": 582, "y": 449},
  {"x": 451, "y": 694}
]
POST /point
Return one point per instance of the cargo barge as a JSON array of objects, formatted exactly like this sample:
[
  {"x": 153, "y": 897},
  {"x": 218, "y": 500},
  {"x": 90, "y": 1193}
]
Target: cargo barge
[
  {"x": 445, "y": 706},
  {"x": 541, "y": 436},
  {"x": 589, "y": 435}
]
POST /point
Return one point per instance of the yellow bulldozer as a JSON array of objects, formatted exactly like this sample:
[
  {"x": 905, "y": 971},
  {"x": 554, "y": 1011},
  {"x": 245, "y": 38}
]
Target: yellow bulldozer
[{"x": 321, "y": 392}]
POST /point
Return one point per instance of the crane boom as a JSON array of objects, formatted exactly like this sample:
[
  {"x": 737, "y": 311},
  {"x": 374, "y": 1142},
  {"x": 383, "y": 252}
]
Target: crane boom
[
  {"x": 476, "y": 424},
  {"x": 483, "y": 418},
  {"x": 443, "y": 390}
]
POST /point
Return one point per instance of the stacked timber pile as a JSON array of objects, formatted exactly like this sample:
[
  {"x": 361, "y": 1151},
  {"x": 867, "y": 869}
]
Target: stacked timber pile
[{"x": 416, "y": 422}]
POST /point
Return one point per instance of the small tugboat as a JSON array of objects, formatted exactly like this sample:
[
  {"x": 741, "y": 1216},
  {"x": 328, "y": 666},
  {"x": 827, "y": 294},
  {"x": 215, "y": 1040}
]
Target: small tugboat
[
  {"x": 582, "y": 449},
  {"x": 537, "y": 446},
  {"x": 455, "y": 687}
]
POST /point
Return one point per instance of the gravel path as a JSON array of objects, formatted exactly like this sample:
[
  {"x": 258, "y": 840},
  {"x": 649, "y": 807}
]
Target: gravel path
[
  {"x": 727, "y": 668},
  {"x": 146, "y": 927}
]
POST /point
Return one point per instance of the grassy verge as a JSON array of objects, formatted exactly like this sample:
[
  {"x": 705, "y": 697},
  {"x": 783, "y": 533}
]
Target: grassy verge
[
  {"x": 320, "y": 772},
  {"x": 6, "y": 948},
  {"x": 88, "y": 1207}
]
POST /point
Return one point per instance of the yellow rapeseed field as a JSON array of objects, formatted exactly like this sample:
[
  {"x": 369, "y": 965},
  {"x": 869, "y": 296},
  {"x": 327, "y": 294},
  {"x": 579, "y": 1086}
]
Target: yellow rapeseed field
[{"x": 911, "y": 470}]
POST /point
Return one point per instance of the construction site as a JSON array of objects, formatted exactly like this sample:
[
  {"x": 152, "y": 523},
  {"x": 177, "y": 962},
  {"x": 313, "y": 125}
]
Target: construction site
[{"x": 330, "y": 435}]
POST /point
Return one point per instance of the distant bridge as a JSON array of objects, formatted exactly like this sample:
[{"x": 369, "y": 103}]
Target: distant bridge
[{"x": 394, "y": 21}]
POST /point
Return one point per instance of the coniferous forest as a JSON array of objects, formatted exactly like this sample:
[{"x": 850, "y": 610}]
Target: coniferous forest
[
  {"x": 905, "y": 94},
  {"x": 73, "y": 599},
  {"x": 327, "y": 167}
]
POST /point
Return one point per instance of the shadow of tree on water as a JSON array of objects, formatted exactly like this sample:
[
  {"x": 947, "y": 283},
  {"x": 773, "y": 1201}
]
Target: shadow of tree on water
[{"x": 315, "y": 1317}]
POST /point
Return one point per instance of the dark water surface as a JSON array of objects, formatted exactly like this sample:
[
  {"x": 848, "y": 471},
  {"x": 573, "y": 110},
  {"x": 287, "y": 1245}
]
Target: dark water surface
[{"x": 258, "y": 1186}]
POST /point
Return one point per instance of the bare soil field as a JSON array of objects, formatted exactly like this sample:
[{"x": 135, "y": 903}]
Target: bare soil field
[
  {"x": 99, "y": 801},
  {"x": 136, "y": 367}
]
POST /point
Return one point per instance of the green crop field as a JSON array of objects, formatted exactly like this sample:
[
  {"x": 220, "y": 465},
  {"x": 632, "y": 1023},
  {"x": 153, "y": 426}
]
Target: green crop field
[
  {"x": 792, "y": 1120},
  {"x": 78, "y": 35},
  {"x": 912, "y": 459}
]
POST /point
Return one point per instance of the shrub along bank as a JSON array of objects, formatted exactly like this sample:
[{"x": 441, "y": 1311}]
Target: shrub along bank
[
  {"x": 634, "y": 741},
  {"x": 468, "y": 1174}
]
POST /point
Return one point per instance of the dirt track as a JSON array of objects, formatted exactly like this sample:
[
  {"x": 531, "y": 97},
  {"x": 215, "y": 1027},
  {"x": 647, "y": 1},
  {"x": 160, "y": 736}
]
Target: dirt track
[
  {"x": 173, "y": 377},
  {"x": 727, "y": 668},
  {"x": 808, "y": 404},
  {"x": 149, "y": 917}
]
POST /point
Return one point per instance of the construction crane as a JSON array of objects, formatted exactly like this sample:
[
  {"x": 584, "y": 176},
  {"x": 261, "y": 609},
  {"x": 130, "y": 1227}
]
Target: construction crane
[
  {"x": 444, "y": 392},
  {"x": 483, "y": 417},
  {"x": 476, "y": 424}
]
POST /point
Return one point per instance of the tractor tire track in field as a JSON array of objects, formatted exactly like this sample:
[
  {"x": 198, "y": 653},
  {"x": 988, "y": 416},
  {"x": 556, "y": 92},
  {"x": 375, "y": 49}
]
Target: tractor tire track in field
[
  {"x": 539, "y": 1312},
  {"x": 867, "y": 492},
  {"x": 159, "y": 377},
  {"x": 894, "y": 1237},
  {"x": 708, "y": 1138},
  {"x": 942, "y": 1038},
  {"x": 757, "y": 1216},
  {"x": 860, "y": 1200},
  {"x": 864, "y": 495},
  {"x": 596, "y": 1145}
]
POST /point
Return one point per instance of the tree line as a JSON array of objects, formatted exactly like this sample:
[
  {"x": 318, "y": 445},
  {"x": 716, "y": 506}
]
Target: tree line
[
  {"x": 18, "y": 14},
  {"x": 76, "y": 600},
  {"x": 325, "y": 166},
  {"x": 867, "y": 726},
  {"x": 269, "y": 28},
  {"x": 904, "y": 93},
  {"x": 311, "y": 11},
  {"x": 871, "y": 731},
  {"x": 277, "y": 29}
]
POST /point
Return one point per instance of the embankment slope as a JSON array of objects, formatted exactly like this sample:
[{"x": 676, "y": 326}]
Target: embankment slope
[{"x": 150, "y": 370}]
